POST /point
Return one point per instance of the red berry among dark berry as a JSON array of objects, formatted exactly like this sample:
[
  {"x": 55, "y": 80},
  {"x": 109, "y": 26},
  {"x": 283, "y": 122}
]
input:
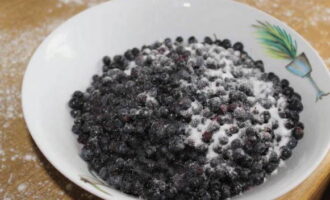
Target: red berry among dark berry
[
  {"x": 298, "y": 133},
  {"x": 207, "y": 136},
  {"x": 300, "y": 125}
]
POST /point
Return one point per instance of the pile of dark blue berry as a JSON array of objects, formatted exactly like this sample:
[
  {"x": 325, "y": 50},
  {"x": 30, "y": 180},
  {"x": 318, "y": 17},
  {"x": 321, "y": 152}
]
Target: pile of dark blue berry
[{"x": 139, "y": 120}]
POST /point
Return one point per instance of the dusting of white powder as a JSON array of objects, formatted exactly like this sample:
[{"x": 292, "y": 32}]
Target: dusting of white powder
[
  {"x": 21, "y": 187},
  {"x": 29, "y": 157},
  {"x": 251, "y": 77}
]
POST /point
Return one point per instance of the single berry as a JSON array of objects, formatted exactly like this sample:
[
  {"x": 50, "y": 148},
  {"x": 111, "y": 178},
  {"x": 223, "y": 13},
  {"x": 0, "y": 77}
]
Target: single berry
[
  {"x": 286, "y": 153},
  {"x": 238, "y": 46},
  {"x": 298, "y": 133},
  {"x": 217, "y": 42},
  {"x": 192, "y": 40},
  {"x": 259, "y": 65},
  {"x": 207, "y": 137},
  {"x": 135, "y": 52},
  {"x": 226, "y": 43},
  {"x": 179, "y": 39},
  {"x": 208, "y": 40},
  {"x": 284, "y": 83},
  {"x": 106, "y": 60},
  {"x": 292, "y": 143}
]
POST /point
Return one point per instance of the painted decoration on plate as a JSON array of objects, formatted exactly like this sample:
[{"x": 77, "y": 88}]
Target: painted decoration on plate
[{"x": 280, "y": 45}]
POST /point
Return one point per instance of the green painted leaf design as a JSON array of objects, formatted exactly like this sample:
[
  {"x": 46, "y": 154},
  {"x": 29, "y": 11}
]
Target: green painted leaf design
[{"x": 278, "y": 43}]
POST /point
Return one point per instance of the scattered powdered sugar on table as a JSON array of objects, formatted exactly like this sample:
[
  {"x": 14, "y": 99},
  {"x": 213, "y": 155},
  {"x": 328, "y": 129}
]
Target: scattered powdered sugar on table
[
  {"x": 17, "y": 46},
  {"x": 29, "y": 157},
  {"x": 21, "y": 187}
]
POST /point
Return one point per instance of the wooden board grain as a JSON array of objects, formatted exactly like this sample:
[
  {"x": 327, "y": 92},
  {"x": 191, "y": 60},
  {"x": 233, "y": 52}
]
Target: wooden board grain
[{"x": 24, "y": 172}]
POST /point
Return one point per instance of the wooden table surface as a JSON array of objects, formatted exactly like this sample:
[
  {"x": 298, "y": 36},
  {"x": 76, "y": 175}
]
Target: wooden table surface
[{"x": 24, "y": 171}]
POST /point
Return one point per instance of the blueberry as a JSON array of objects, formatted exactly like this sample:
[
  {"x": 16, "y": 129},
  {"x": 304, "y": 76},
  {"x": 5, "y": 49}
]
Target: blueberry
[
  {"x": 179, "y": 39},
  {"x": 294, "y": 116},
  {"x": 238, "y": 154},
  {"x": 246, "y": 90},
  {"x": 226, "y": 43},
  {"x": 273, "y": 77},
  {"x": 118, "y": 59},
  {"x": 274, "y": 158},
  {"x": 270, "y": 167},
  {"x": 75, "y": 103},
  {"x": 298, "y": 133},
  {"x": 148, "y": 61},
  {"x": 106, "y": 60},
  {"x": 258, "y": 178},
  {"x": 225, "y": 191},
  {"x": 75, "y": 113},
  {"x": 236, "y": 143},
  {"x": 288, "y": 91},
  {"x": 240, "y": 114},
  {"x": 76, "y": 129},
  {"x": 156, "y": 45},
  {"x": 286, "y": 153},
  {"x": 266, "y": 103},
  {"x": 284, "y": 83},
  {"x": 227, "y": 154},
  {"x": 275, "y": 125},
  {"x": 233, "y": 129},
  {"x": 300, "y": 125},
  {"x": 292, "y": 143},
  {"x": 238, "y": 46},
  {"x": 217, "y": 42},
  {"x": 135, "y": 52},
  {"x": 289, "y": 125},
  {"x": 208, "y": 40},
  {"x": 297, "y": 106},
  {"x": 265, "y": 116},
  {"x": 236, "y": 189},
  {"x": 129, "y": 55},
  {"x": 296, "y": 96},
  {"x": 259, "y": 65},
  {"x": 250, "y": 131},
  {"x": 260, "y": 148},
  {"x": 278, "y": 138},
  {"x": 192, "y": 40},
  {"x": 223, "y": 140},
  {"x": 214, "y": 104},
  {"x": 86, "y": 153}
]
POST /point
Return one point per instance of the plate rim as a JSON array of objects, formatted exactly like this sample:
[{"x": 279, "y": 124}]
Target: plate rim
[{"x": 94, "y": 191}]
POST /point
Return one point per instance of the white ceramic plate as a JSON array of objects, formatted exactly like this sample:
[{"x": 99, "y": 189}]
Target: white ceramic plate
[{"x": 69, "y": 56}]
